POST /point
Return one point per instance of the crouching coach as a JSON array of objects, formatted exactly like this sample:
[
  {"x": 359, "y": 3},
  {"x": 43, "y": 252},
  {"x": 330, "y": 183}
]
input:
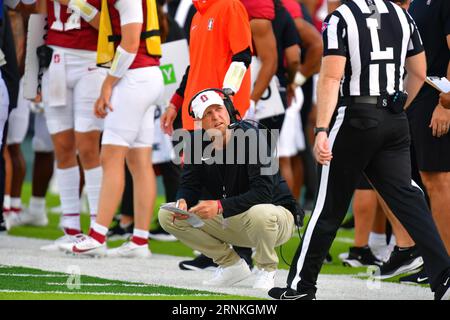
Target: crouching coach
[{"x": 239, "y": 195}]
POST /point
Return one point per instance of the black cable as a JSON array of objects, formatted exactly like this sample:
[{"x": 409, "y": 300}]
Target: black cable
[{"x": 281, "y": 247}]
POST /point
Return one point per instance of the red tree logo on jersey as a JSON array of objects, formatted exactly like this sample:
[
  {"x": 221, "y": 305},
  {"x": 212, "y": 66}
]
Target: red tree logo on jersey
[{"x": 56, "y": 58}]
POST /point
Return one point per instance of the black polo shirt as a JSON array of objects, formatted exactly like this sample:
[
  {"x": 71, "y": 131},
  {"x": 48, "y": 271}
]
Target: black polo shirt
[
  {"x": 432, "y": 18},
  {"x": 286, "y": 35}
]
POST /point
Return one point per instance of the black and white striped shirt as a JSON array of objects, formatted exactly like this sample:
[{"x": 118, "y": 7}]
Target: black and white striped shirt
[{"x": 376, "y": 37}]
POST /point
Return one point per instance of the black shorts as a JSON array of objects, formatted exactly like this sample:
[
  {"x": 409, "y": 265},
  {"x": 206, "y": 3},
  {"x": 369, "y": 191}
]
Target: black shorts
[
  {"x": 432, "y": 154},
  {"x": 364, "y": 184},
  {"x": 308, "y": 88}
]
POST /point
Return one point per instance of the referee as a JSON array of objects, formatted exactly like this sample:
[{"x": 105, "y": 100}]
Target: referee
[{"x": 367, "y": 45}]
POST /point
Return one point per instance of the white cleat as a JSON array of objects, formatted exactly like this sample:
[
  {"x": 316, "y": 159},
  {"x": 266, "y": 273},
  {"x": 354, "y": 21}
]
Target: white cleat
[
  {"x": 230, "y": 275},
  {"x": 65, "y": 239},
  {"x": 130, "y": 250},
  {"x": 26, "y": 218},
  {"x": 88, "y": 246},
  {"x": 343, "y": 256},
  {"x": 265, "y": 280},
  {"x": 66, "y": 246}
]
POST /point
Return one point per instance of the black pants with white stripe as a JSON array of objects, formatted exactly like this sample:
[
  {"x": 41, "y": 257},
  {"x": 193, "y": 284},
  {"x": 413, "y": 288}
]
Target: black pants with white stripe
[{"x": 365, "y": 139}]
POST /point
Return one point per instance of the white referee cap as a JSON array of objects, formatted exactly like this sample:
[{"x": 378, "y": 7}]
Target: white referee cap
[{"x": 205, "y": 100}]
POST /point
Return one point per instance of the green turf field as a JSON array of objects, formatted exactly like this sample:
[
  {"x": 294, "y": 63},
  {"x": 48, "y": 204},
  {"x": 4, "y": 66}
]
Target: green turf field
[{"x": 26, "y": 283}]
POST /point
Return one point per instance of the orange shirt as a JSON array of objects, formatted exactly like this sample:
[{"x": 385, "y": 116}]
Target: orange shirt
[{"x": 219, "y": 30}]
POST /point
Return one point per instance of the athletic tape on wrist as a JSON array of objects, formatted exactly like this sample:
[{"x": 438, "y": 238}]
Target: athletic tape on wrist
[
  {"x": 234, "y": 76},
  {"x": 86, "y": 10},
  {"x": 121, "y": 63},
  {"x": 299, "y": 79}
]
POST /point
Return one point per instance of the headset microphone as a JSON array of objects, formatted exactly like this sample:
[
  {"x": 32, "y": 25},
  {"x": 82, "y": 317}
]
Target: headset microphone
[{"x": 233, "y": 125}]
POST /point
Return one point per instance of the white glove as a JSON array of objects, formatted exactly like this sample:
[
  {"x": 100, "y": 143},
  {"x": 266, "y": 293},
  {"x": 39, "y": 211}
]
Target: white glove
[{"x": 251, "y": 112}]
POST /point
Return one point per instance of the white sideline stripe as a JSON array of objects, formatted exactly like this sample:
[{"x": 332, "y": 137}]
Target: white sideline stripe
[
  {"x": 344, "y": 240},
  {"x": 103, "y": 293},
  {"x": 320, "y": 199},
  {"x": 35, "y": 275},
  {"x": 103, "y": 285}
]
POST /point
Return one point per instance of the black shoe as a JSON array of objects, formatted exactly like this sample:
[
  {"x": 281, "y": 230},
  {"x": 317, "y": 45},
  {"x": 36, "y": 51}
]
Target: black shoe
[
  {"x": 119, "y": 233},
  {"x": 201, "y": 262},
  {"x": 443, "y": 291},
  {"x": 416, "y": 278},
  {"x": 290, "y": 294},
  {"x": 361, "y": 257},
  {"x": 401, "y": 261},
  {"x": 349, "y": 224},
  {"x": 2, "y": 227},
  {"x": 160, "y": 234},
  {"x": 328, "y": 259}
]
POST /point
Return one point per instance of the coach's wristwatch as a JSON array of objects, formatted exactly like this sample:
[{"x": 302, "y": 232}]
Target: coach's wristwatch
[{"x": 320, "y": 129}]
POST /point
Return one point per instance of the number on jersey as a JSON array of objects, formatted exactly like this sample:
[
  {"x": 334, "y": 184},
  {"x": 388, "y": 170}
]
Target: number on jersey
[{"x": 73, "y": 21}]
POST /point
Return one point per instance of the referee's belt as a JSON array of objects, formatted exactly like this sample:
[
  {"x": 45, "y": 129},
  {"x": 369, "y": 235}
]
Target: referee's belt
[
  {"x": 362, "y": 99},
  {"x": 394, "y": 103}
]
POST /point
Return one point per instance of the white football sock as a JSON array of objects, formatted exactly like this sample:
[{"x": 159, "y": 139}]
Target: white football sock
[
  {"x": 69, "y": 187},
  {"x": 377, "y": 239},
  {"x": 99, "y": 229},
  {"x": 140, "y": 237},
  {"x": 7, "y": 202},
  {"x": 140, "y": 233},
  {"x": 37, "y": 205},
  {"x": 393, "y": 242},
  {"x": 93, "y": 178},
  {"x": 16, "y": 203}
]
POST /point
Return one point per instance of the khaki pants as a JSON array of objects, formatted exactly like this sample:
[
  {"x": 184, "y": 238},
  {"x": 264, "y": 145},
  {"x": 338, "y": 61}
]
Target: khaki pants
[{"x": 263, "y": 227}]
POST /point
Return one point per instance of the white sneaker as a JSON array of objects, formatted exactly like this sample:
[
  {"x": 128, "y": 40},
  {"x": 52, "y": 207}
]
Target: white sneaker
[
  {"x": 265, "y": 280},
  {"x": 130, "y": 250},
  {"x": 230, "y": 275},
  {"x": 88, "y": 246},
  {"x": 13, "y": 218},
  {"x": 26, "y": 217},
  {"x": 66, "y": 246},
  {"x": 65, "y": 239},
  {"x": 342, "y": 256}
]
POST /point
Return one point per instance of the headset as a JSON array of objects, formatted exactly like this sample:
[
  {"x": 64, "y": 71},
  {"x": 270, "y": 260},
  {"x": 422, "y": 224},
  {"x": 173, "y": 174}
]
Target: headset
[{"x": 232, "y": 112}]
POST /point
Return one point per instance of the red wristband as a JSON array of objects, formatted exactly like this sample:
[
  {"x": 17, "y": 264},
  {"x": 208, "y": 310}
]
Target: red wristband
[
  {"x": 177, "y": 101},
  {"x": 220, "y": 208}
]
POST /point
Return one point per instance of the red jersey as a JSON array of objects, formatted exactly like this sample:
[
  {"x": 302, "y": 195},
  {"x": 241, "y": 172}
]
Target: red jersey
[
  {"x": 67, "y": 29},
  {"x": 316, "y": 19},
  {"x": 260, "y": 9},
  {"x": 293, "y": 7},
  {"x": 143, "y": 59}
]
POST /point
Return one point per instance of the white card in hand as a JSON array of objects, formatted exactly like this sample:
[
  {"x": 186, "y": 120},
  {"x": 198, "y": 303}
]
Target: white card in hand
[
  {"x": 440, "y": 84},
  {"x": 193, "y": 220}
]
